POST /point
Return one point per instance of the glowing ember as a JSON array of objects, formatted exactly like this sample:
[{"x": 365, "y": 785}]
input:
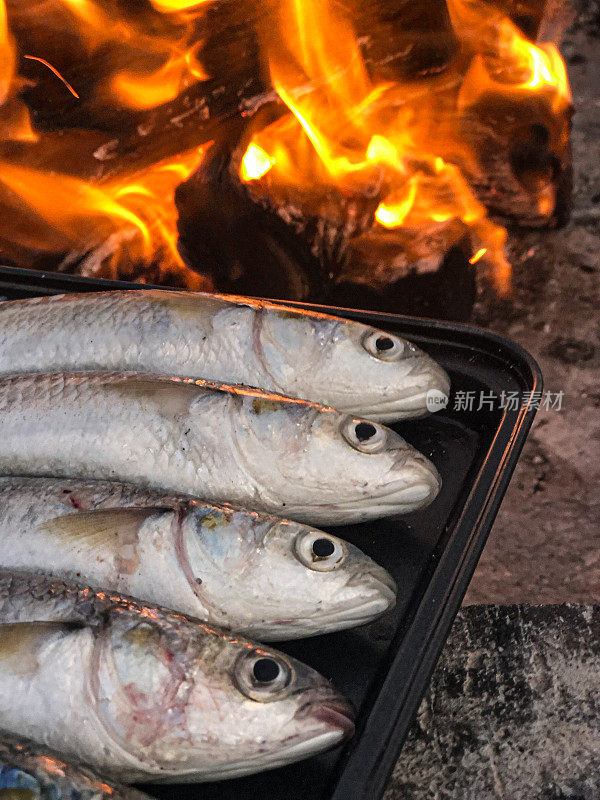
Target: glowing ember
[
  {"x": 55, "y": 72},
  {"x": 478, "y": 255},
  {"x": 255, "y": 163}
]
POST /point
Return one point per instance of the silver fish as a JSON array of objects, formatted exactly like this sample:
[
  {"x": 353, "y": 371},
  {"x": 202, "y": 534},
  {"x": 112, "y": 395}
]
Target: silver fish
[
  {"x": 303, "y": 354},
  {"x": 141, "y": 694},
  {"x": 32, "y": 772},
  {"x": 266, "y": 577},
  {"x": 287, "y": 457}
]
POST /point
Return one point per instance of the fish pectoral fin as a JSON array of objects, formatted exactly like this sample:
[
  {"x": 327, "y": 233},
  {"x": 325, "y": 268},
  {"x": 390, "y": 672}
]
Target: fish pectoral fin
[
  {"x": 171, "y": 395},
  {"x": 101, "y": 527},
  {"x": 20, "y": 641}
]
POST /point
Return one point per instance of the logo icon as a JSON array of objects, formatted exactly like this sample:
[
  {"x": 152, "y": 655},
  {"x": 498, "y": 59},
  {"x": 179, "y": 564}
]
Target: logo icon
[{"x": 436, "y": 400}]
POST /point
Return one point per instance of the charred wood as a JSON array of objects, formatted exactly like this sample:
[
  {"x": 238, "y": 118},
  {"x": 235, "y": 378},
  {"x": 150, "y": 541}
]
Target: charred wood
[
  {"x": 245, "y": 246},
  {"x": 410, "y": 40}
]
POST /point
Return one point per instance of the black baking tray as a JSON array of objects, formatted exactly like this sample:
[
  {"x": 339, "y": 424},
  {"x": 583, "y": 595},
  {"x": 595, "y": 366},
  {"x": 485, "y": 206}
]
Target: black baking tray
[{"x": 384, "y": 667}]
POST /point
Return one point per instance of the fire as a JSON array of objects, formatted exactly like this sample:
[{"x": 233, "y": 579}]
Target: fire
[
  {"x": 128, "y": 220},
  {"x": 148, "y": 90},
  {"x": 344, "y": 129},
  {"x": 509, "y": 63},
  {"x": 255, "y": 163},
  {"x": 7, "y": 56},
  {"x": 153, "y": 53},
  {"x": 398, "y": 157},
  {"x": 169, "y": 6}
]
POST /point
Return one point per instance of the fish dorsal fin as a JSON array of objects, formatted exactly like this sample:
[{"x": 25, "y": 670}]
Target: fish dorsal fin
[
  {"x": 101, "y": 527},
  {"x": 171, "y": 396}
]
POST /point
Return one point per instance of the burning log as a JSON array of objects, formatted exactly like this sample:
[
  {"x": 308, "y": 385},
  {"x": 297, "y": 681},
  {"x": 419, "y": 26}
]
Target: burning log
[
  {"x": 249, "y": 247},
  {"x": 522, "y": 175},
  {"x": 381, "y": 134},
  {"x": 355, "y": 171}
]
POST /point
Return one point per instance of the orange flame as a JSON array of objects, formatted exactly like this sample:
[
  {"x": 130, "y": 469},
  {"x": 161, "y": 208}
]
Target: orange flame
[
  {"x": 7, "y": 56},
  {"x": 138, "y": 210},
  {"x": 404, "y": 146},
  {"x": 171, "y": 6},
  {"x": 153, "y": 53},
  {"x": 255, "y": 163},
  {"x": 347, "y": 131},
  {"x": 147, "y": 90},
  {"x": 130, "y": 219},
  {"x": 505, "y": 62}
]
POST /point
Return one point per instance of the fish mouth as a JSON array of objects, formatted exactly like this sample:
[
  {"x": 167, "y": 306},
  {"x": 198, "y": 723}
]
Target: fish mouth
[
  {"x": 417, "y": 488},
  {"x": 332, "y": 710},
  {"x": 412, "y": 398},
  {"x": 377, "y": 592},
  {"x": 412, "y": 483},
  {"x": 339, "y": 717},
  {"x": 411, "y": 492}
]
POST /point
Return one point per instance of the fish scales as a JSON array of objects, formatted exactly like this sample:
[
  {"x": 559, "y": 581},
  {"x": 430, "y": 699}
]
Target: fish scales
[
  {"x": 325, "y": 359},
  {"x": 258, "y": 574},
  {"x": 287, "y": 457}
]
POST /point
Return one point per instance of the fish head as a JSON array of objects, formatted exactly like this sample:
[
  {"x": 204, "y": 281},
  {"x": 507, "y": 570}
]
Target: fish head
[
  {"x": 190, "y": 703},
  {"x": 276, "y": 579},
  {"x": 344, "y": 360},
  {"x": 332, "y": 467}
]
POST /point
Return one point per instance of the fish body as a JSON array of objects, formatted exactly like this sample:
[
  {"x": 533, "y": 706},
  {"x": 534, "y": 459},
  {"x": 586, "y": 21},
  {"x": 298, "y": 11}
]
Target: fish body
[
  {"x": 140, "y": 694},
  {"x": 286, "y": 457},
  {"x": 31, "y": 772},
  {"x": 266, "y": 577},
  {"x": 326, "y": 359}
]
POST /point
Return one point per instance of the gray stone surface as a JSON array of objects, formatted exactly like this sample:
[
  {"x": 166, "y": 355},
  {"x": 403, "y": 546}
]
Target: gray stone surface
[{"x": 512, "y": 711}]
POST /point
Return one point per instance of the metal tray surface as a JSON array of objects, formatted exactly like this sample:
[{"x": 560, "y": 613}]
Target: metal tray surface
[{"x": 384, "y": 667}]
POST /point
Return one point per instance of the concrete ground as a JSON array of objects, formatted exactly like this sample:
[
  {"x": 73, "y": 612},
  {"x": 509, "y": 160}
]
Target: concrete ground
[{"x": 545, "y": 545}]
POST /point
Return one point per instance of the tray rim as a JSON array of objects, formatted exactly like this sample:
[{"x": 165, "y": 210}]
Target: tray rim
[{"x": 363, "y": 771}]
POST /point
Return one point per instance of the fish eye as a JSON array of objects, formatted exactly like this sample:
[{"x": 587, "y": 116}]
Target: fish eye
[
  {"x": 262, "y": 676},
  {"x": 368, "y": 437},
  {"x": 384, "y": 346},
  {"x": 319, "y": 551}
]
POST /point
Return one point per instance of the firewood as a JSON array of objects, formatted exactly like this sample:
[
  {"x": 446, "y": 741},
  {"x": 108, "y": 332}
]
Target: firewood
[
  {"x": 522, "y": 172},
  {"x": 251, "y": 247}
]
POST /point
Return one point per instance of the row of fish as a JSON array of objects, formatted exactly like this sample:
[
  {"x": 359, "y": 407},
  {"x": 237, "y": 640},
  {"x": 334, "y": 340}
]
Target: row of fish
[{"x": 133, "y": 445}]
